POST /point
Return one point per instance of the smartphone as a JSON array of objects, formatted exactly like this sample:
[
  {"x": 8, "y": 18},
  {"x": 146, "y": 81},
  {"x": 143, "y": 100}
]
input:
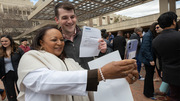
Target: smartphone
[{"x": 131, "y": 48}]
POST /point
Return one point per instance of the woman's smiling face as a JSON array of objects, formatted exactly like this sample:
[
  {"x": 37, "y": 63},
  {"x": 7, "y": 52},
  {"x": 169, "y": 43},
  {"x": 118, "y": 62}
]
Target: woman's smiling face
[
  {"x": 5, "y": 42},
  {"x": 53, "y": 42}
]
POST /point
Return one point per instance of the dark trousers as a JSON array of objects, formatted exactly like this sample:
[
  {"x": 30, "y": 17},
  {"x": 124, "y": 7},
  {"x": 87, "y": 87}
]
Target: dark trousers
[
  {"x": 174, "y": 93},
  {"x": 9, "y": 84},
  {"x": 138, "y": 65},
  {"x": 148, "y": 82}
]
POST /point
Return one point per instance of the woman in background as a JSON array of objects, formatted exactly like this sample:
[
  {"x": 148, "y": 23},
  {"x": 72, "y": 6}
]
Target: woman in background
[
  {"x": 146, "y": 57},
  {"x": 10, "y": 55}
]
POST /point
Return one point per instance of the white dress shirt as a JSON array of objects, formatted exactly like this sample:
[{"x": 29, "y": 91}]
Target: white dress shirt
[{"x": 41, "y": 83}]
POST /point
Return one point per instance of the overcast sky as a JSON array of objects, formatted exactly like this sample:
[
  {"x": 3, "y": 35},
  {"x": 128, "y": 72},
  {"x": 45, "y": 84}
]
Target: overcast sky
[
  {"x": 144, "y": 9},
  {"x": 141, "y": 10}
]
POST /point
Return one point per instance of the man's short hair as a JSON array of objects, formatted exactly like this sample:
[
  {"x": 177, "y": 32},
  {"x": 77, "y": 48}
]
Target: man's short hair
[
  {"x": 105, "y": 35},
  {"x": 103, "y": 31},
  {"x": 138, "y": 29},
  {"x": 166, "y": 19},
  {"x": 65, "y": 5},
  {"x": 23, "y": 39}
]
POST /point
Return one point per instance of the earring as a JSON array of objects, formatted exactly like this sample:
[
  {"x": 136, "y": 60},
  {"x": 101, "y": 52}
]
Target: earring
[{"x": 41, "y": 48}]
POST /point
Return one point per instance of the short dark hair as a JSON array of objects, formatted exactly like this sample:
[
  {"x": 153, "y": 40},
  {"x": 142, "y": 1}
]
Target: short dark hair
[
  {"x": 166, "y": 19},
  {"x": 65, "y": 5},
  {"x": 105, "y": 35},
  {"x": 23, "y": 39},
  {"x": 36, "y": 41}
]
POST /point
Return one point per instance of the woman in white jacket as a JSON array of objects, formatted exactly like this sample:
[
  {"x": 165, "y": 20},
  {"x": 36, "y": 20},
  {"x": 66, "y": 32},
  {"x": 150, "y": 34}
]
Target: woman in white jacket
[{"x": 46, "y": 75}]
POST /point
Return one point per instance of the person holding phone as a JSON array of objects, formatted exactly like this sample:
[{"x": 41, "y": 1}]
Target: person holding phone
[{"x": 50, "y": 76}]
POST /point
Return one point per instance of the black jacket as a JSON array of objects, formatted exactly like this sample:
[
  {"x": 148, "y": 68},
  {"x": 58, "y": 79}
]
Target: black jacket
[
  {"x": 119, "y": 43},
  {"x": 167, "y": 48},
  {"x": 15, "y": 57}
]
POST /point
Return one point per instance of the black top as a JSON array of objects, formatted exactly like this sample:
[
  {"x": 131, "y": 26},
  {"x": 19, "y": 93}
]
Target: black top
[
  {"x": 15, "y": 57},
  {"x": 119, "y": 43}
]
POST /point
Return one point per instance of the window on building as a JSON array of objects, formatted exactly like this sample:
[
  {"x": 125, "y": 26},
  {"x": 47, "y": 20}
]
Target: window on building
[
  {"x": 24, "y": 12},
  {"x": 28, "y": 12},
  {"x": 103, "y": 17},
  {"x": 15, "y": 11},
  {"x": 5, "y": 10},
  {"x": 20, "y": 12},
  {"x": 10, "y": 11},
  {"x": 37, "y": 23},
  {"x": 111, "y": 18}
]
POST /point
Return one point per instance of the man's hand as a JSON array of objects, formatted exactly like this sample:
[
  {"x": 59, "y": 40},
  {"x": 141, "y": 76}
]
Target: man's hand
[{"x": 102, "y": 46}]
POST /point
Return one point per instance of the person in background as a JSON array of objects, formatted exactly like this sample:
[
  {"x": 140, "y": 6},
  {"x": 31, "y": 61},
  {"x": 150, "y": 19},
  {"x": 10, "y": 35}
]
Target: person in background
[
  {"x": 119, "y": 43},
  {"x": 137, "y": 35},
  {"x": 166, "y": 46},
  {"x": 111, "y": 37},
  {"x": 109, "y": 45},
  {"x": 24, "y": 45},
  {"x": 128, "y": 35},
  {"x": 158, "y": 69},
  {"x": 65, "y": 17},
  {"x": 103, "y": 31},
  {"x": 58, "y": 78},
  {"x": 146, "y": 56},
  {"x": 10, "y": 55}
]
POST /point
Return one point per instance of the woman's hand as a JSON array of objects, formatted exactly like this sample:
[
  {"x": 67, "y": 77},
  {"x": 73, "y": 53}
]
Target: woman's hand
[
  {"x": 132, "y": 77},
  {"x": 118, "y": 69}
]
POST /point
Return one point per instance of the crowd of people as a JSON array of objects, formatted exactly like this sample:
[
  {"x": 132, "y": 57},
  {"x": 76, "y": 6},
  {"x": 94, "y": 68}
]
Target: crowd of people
[{"x": 51, "y": 69}]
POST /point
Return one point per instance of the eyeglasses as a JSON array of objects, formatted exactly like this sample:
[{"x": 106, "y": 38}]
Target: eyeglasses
[{"x": 157, "y": 27}]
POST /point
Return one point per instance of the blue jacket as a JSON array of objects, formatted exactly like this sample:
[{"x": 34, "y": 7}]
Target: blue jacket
[{"x": 146, "y": 54}]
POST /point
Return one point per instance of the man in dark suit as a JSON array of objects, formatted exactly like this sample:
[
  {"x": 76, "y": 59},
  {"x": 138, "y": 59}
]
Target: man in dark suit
[
  {"x": 119, "y": 43},
  {"x": 167, "y": 47}
]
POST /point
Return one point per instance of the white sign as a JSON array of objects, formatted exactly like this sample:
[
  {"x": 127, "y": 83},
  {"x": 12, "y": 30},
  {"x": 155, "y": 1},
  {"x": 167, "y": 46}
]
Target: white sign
[{"x": 89, "y": 42}]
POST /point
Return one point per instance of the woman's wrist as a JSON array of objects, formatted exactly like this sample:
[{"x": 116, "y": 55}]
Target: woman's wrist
[{"x": 101, "y": 75}]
